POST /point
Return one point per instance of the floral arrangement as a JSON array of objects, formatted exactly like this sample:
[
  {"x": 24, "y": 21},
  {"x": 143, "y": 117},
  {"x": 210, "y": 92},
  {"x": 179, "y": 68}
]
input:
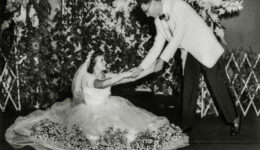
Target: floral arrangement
[
  {"x": 55, "y": 133},
  {"x": 212, "y": 11},
  {"x": 50, "y": 51},
  {"x": 120, "y": 36},
  {"x": 148, "y": 139},
  {"x": 112, "y": 139}
]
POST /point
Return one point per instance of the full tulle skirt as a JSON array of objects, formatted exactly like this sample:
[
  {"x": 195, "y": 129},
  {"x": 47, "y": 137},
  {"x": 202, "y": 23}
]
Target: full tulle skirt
[{"x": 93, "y": 120}]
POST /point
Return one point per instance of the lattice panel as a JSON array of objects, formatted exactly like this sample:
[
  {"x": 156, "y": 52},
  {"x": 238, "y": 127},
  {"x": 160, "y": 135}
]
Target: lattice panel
[
  {"x": 205, "y": 102},
  {"x": 9, "y": 89},
  {"x": 243, "y": 75}
]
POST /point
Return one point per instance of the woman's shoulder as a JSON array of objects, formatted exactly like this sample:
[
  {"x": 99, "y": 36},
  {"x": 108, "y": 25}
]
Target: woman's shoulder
[
  {"x": 88, "y": 75},
  {"x": 88, "y": 80}
]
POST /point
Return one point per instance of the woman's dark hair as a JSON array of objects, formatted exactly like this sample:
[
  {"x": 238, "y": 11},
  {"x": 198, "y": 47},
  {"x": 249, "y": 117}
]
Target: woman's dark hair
[{"x": 92, "y": 62}]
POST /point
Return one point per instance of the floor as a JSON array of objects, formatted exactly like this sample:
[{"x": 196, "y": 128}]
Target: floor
[{"x": 210, "y": 133}]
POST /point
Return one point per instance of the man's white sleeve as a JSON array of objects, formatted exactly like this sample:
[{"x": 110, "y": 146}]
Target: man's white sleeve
[{"x": 156, "y": 49}]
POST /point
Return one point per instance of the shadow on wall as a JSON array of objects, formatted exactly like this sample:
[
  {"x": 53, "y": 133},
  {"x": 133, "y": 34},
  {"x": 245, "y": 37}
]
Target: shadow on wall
[{"x": 244, "y": 30}]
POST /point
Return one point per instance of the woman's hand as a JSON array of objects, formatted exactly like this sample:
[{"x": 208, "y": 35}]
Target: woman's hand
[{"x": 136, "y": 72}]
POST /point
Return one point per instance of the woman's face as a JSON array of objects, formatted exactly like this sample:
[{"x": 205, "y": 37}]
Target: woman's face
[{"x": 100, "y": 63}]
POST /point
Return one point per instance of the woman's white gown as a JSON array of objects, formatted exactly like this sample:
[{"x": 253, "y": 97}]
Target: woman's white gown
[{"x": 99, "y": 112}]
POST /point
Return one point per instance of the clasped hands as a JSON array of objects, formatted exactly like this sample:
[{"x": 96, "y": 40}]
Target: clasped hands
[{"x": 136, "y": 71}]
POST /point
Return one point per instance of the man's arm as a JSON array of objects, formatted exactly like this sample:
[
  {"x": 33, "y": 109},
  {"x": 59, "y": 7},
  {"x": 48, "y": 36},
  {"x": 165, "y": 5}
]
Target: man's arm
[
  {"x": 156, "y": 49},
  {"x": 179, "y": 22}
]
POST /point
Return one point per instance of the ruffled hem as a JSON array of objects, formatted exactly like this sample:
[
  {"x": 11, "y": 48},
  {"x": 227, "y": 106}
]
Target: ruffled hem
[
  {"x": 47, "y": 134},
  {"x": 44, "y": 130}
]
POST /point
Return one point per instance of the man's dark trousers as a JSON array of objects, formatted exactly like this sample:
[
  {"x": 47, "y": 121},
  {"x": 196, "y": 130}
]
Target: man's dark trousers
[{"x": 216, "y": 82}]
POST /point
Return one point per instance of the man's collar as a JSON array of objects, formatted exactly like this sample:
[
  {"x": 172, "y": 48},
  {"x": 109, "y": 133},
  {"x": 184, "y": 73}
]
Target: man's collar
[{"x": 165, "y": 6}]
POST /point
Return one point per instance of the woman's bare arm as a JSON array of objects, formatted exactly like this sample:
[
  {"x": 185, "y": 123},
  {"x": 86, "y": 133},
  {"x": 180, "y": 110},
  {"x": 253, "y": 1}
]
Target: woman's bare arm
[
  {"x": 101, "y": 84},
  {"x": 141, "y": 75}
]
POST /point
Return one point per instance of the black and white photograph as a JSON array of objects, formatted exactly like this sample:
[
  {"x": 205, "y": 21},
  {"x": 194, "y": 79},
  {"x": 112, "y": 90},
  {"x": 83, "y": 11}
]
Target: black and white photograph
[{"x": 129, "y": 75}]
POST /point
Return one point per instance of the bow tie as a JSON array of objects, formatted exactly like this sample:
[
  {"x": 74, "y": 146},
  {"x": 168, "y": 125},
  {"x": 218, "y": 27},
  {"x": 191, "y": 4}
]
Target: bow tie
[{"x": 165, "y": 17}]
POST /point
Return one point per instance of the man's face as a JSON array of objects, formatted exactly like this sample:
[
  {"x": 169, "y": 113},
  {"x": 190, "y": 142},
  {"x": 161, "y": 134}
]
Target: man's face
[{"x": 152, "y": 9}]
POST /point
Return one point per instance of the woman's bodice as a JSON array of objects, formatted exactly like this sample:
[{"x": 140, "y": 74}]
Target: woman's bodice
[{"x": 96, "y": 96}]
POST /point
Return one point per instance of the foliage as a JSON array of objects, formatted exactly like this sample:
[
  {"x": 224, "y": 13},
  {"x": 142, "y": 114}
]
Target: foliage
[{"x": 50, "y": 51}]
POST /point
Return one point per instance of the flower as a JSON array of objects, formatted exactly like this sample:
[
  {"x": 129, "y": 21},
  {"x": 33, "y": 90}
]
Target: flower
[
  {"x": 49, "y": 130},
  {"x": 165, "y": 17},
  {"x": 125, "y": 6},
  {"x": 5, "y": 25}
]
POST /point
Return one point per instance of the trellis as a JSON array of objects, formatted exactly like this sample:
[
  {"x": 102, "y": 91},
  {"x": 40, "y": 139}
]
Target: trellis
[
  {"x": 9, "y": 85},
  {"x": 244, "y": 88},
  {"x": 243, "y": 76}
]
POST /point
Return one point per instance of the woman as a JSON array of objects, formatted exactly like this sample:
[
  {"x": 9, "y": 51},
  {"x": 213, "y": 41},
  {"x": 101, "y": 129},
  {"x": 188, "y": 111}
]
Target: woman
[{"x": 94, "y": 111}]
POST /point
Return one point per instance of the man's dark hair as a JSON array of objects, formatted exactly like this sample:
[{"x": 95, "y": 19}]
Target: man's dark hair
[
  {"x": 143, "y": 1},
  {"x": 140, "y": 2}
]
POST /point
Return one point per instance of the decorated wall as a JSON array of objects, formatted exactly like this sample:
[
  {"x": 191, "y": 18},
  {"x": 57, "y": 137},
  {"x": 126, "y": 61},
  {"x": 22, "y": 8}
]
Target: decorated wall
[{"x": 45, "y": 49}]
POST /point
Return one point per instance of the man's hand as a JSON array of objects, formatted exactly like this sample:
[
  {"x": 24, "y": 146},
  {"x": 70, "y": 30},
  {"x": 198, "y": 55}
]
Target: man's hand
[
  {"x": 136, "y": 71},
  {"x": 158, "y": 65}
]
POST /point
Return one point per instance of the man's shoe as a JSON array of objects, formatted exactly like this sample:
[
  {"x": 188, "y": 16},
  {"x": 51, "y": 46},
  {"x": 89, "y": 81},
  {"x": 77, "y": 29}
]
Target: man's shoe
[{"x": 235, "y": 128}]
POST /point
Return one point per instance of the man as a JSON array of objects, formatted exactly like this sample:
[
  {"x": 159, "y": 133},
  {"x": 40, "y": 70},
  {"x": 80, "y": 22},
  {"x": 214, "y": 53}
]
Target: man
[{"x": 177, "y": 23}]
